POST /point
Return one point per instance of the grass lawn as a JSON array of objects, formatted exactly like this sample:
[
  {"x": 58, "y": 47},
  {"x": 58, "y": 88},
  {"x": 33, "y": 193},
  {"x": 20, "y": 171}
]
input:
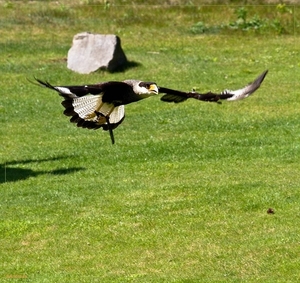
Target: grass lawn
[{"x": 183, "y": 195}]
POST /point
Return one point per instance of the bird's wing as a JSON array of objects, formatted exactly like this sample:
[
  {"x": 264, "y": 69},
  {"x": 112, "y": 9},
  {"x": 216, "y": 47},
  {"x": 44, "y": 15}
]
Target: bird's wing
[
  {"x": 176, "y": 96},
  {"x": 116, "y": 117},
  {"x": 247, "y": 90},
  {"x": 89, "y": 106},
  {"x": 84, "y": 105},
  {"x": 74, "y": 91}
]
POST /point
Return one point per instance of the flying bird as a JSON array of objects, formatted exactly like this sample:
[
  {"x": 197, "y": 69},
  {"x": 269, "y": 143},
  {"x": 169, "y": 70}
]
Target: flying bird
[{"x": 101, "y": 105}]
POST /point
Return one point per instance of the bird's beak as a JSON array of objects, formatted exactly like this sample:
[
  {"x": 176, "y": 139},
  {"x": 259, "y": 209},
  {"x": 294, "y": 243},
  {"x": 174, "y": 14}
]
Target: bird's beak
[{"x": 153, "y": 88}]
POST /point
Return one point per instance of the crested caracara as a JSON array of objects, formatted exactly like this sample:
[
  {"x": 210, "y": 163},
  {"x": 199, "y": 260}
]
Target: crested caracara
[{"x": 102, "y": 105}]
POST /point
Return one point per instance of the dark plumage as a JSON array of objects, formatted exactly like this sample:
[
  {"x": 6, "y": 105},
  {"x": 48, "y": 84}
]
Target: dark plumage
[
  {"x": 102, "y": 105},
  {"x": 230, "y": 95}
]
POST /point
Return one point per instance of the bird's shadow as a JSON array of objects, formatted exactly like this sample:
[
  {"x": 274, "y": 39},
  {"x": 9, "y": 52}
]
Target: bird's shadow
[{"x": 10, "y": 172}]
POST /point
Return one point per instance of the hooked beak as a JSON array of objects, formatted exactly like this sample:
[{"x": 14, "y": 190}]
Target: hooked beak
[{"x": 153, "y": 88}]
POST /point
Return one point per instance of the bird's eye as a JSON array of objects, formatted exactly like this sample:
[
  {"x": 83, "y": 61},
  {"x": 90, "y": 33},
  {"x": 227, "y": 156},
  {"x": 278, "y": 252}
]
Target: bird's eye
[
  {"x": 147, "y": 85},
  {"x": 143, "y": 84}
]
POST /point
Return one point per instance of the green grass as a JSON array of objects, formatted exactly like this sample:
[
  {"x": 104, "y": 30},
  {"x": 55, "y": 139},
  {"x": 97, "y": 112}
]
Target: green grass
[{"x": 183, "y": 194}]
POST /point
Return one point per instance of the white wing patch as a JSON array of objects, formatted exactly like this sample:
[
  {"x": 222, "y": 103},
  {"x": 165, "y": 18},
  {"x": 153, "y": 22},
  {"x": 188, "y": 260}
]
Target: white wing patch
[
  {"x": 240, "y": 93},
  {"x": 236, "y": 94},
  {"x": 86, "y": 106},
  {"x": 64, "y": 90},
  {"x": 117, "y": 115}
]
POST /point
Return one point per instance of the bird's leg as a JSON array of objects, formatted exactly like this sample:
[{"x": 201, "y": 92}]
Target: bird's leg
[
  {"x": 101, "y": 119},
  {"x": 110, "y": 130},
  {"x": 96, "y": 112},
  {"x": 109, "y": 126}
]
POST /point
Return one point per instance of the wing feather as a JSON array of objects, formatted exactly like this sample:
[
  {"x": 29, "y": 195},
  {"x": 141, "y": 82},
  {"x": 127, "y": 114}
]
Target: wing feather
[
  {"x": 87, "y": 109},
  {"x": 247, "y": 90},
  {"x": 177, "y": 96},
  {"x": 173, "y": 98},
  {"x": 117, "y": 114},
  {"x": 87, "y": 105}
]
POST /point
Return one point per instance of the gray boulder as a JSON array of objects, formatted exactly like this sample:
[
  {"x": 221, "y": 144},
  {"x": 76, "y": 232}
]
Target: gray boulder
[{"x": 91, "y": 52}]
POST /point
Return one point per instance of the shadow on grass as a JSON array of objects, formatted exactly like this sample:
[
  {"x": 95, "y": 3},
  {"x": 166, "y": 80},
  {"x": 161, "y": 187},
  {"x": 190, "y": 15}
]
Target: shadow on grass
[
  {"x": 128, "y": 65},
  {"x": 8, "y": 173}
]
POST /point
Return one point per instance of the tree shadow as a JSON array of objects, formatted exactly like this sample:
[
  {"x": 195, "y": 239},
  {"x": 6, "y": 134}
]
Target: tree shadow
[{"x": 9, "y": 173}]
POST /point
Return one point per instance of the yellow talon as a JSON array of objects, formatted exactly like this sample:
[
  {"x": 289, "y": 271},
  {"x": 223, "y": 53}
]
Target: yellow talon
[
  {"x": 90, "y": 116},
  {"x": 101, "y": 120}
]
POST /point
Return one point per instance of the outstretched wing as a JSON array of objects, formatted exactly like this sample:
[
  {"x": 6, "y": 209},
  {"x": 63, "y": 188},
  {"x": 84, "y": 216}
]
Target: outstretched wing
[
  {"x": 85, "y": 106},
  {"x": 247, "y": 90},
  {"x": 74, "y": 91},
  {"x": 89, "y": 112},
  {"x": 230, "y": 95}
]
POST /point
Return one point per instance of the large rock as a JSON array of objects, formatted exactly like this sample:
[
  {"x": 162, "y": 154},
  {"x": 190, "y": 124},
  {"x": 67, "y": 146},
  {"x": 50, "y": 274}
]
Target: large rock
[{"x": 90, "y": 52}]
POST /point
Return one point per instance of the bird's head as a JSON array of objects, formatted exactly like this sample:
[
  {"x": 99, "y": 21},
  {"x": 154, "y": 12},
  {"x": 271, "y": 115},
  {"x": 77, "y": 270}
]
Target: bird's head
[
  {"x": 146, "y": 89},
  {"x": 143, "y": 89}
]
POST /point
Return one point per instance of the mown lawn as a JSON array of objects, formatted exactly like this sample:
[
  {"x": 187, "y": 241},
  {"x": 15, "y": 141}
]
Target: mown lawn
[{"x": 183, "y": 195}]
